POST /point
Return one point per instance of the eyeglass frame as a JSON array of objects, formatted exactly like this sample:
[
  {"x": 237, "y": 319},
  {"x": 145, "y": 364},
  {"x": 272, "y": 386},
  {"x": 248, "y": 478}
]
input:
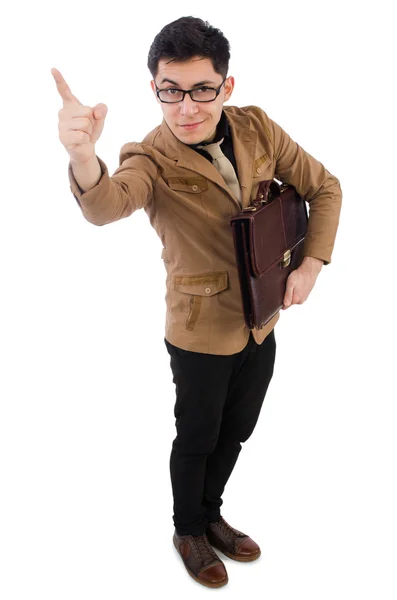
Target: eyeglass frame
[{"x": 217, "y": 90}]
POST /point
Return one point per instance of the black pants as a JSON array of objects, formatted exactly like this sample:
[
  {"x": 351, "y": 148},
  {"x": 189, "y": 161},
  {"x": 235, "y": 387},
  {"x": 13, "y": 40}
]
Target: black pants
[{"x": 218, "y": 401}]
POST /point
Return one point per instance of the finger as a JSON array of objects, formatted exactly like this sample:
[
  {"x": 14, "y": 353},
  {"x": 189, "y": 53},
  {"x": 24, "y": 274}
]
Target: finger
[
  {"x": 76, "y": 137},
  {"x": 295, "y": 298},
  {"x": 76, "y": 111},
  {"x": 81, "y": 124},
  {"x": 63, "y": 89}
]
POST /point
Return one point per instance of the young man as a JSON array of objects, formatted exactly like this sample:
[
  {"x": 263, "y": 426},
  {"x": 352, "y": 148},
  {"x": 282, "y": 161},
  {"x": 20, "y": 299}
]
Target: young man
[{"x": 191, "y": 174}]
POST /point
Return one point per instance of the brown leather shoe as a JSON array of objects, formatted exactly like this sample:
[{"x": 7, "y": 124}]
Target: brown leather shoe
[
  {"x": 201, "y": 561},
  {"x": 231, "y": 542}
]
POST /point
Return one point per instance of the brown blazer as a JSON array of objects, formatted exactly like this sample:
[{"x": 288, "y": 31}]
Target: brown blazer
[{"x": 189, "y": 206}]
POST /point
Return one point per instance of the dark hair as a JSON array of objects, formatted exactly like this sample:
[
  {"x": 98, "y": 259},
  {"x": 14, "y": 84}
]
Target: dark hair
[{"x": 187, "y": 37}]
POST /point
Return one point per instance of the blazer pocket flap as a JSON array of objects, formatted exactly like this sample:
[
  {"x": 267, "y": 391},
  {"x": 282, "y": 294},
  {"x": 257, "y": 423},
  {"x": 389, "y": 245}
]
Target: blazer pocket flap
[
  {"x": 193, "y": 185},
  {"x": 205, "y": 284},
  {"x": 260, "y": 164}
]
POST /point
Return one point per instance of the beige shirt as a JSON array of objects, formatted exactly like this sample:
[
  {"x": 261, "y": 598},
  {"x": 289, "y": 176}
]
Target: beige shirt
[{"x": 189, "y": 206}]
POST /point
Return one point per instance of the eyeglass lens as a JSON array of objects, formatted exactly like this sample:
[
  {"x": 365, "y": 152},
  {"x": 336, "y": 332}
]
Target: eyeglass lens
[{"x": 199, "y": 95}]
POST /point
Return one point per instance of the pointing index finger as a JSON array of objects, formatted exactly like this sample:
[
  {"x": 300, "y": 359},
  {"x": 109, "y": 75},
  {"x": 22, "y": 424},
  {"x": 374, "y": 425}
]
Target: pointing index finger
[{"x": 64, "y": 89}]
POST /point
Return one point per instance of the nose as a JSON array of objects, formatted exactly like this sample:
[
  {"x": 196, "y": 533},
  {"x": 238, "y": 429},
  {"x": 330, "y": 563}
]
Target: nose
[{"x": 188, "y": 106}]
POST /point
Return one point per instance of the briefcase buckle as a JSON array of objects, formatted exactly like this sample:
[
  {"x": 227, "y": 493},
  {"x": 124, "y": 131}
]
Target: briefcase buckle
[
  {"x": 286, "y": 259},
  {"x": 263, "y": 200}
]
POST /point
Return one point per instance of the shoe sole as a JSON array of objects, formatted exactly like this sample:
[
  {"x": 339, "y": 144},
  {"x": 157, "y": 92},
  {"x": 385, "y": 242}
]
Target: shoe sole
[{"x": 206, "y": 583}]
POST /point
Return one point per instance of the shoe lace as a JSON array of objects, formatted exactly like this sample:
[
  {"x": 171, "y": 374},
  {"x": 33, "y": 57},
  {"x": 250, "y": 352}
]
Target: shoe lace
[
  {"x": 203, "y": 549},
  {"x": 227, "y": 529}
]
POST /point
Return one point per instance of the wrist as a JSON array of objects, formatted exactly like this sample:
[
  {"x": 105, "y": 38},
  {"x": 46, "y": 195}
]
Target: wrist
[{"x": 314, "y": 264}]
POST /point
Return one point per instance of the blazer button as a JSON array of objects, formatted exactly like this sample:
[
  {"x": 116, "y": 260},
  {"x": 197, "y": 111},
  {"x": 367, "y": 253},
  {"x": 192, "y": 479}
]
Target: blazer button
[
  {"x": 258, "y": 170},
  {"x": 194, "y": 188},
  {"x": 207, "y": 290}
]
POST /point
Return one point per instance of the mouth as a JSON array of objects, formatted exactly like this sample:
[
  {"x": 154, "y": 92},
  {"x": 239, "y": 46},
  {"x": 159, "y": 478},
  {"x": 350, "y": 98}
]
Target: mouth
[{"x": 190, "y": 126}]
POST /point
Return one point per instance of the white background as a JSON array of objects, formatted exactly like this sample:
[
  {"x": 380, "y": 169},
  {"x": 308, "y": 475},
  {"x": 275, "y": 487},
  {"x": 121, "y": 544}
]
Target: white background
[{"x": 86, "y": 414}]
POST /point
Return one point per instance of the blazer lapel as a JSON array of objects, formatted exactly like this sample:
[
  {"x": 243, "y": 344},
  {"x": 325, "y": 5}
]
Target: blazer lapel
[
  {"x": 244, "y": 145},
  {"x": 244, "y": 141}
]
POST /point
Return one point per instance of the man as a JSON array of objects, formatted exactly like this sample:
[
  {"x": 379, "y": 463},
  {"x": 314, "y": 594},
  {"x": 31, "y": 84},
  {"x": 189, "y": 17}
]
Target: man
[{"x": 191, "y": 174}]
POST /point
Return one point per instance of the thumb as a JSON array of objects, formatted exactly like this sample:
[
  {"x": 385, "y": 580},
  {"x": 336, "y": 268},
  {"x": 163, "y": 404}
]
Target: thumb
[
  {"x": 288, "y": 293},
  {"x": 100, "y": 111}
]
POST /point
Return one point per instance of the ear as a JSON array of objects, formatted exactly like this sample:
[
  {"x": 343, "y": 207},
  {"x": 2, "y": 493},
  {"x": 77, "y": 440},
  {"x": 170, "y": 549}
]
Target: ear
[
  {"x": 153, "y": 86},
  {"x": 229, "y": 86}
]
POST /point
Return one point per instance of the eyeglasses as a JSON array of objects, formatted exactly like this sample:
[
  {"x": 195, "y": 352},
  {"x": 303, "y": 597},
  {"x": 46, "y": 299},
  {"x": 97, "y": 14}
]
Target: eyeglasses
[{"x": 202, "y": 94}]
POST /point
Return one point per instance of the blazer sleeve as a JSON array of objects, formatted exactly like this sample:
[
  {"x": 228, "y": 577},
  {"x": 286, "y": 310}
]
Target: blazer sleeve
[
  {"x": 315, "y": 184},
  {"x": 117, "y": 196}
]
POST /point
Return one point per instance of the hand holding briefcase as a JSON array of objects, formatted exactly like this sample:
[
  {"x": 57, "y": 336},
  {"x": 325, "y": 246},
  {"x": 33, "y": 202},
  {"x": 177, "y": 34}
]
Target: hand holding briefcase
[{"x": 268, "y": 240}]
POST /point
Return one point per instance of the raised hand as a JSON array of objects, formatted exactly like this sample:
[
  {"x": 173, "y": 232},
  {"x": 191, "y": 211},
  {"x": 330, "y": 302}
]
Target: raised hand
[{"x": 79, "y": 126}]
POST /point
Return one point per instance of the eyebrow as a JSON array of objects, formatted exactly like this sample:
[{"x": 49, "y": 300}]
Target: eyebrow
[{"x": 195, "y": 85}]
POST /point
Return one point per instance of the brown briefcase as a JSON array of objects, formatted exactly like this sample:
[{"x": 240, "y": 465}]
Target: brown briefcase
[{"x": 268, "y": 240}]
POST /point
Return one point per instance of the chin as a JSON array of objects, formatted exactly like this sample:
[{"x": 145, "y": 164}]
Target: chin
[{"x": 191, "y": 138}]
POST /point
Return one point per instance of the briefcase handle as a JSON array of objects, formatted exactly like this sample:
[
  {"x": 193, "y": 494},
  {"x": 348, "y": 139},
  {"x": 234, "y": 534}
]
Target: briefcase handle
[{"x": 268, "y": 190}]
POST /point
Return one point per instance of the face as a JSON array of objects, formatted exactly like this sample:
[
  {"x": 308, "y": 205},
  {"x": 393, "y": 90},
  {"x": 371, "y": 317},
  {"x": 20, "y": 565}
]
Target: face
[{"x": 192, "y": 122}]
